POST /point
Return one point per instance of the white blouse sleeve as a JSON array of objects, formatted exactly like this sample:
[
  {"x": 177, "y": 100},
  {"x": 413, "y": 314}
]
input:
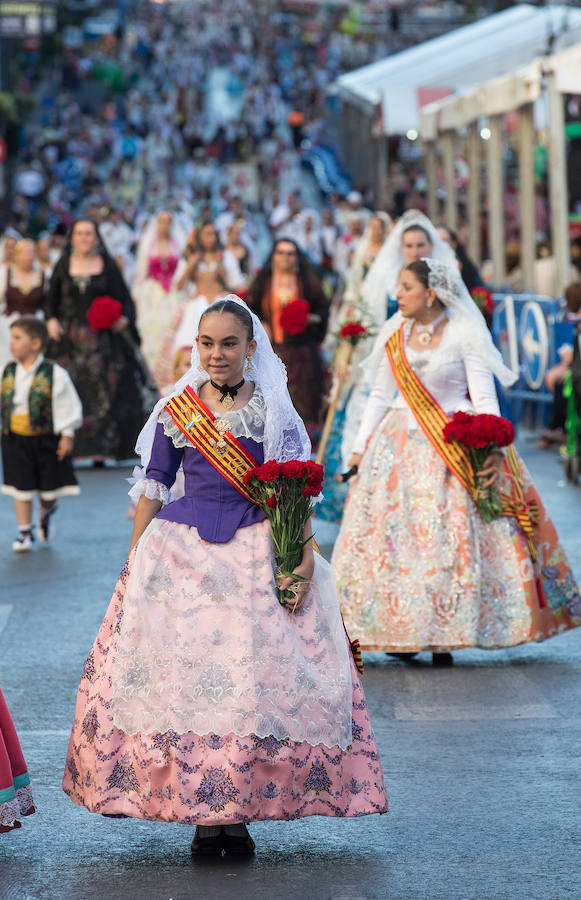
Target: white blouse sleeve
[
  {"x": 481, "y": 385},
  {"x": 380, "y": 399},
  {"x": 67, "y": 411},
  {"x": 153, "y": 490}
]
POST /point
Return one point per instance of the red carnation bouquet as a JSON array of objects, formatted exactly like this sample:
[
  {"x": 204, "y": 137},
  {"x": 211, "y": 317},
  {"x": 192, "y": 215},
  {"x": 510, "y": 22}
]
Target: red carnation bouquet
[
  {"x": 284, "y": 491},
  {"x": 353, "y": 332},
  {"x": 481, "y": 434},
  {"x": 103, "y": 313},
  {"x": 483, "y": 300},
  {"x": 293, "y": 317}
]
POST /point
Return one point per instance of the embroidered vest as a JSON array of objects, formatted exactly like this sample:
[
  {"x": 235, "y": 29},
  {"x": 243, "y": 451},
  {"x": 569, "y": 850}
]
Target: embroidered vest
[{"x": 39, "y": 398}]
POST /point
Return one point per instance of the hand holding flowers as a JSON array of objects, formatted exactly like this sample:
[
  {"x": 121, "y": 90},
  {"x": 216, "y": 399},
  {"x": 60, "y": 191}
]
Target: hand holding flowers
[
  {"x": 483, "y": 435},
  {"x": 284, "y": 491}
]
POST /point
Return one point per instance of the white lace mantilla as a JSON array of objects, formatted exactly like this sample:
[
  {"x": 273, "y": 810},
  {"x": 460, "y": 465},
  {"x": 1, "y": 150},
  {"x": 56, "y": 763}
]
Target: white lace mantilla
[{"x": 247, "y": 422}]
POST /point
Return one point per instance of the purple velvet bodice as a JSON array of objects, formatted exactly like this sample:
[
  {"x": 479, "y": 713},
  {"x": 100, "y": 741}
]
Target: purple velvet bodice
[{"x": 210, "y": 503}]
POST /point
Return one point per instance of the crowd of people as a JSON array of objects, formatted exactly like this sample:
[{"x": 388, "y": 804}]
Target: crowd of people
[{"x": 220, "y": 690}]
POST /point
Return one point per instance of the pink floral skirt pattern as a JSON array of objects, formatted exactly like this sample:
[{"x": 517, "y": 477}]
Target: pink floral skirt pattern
[{"x": 209, "y": 778}]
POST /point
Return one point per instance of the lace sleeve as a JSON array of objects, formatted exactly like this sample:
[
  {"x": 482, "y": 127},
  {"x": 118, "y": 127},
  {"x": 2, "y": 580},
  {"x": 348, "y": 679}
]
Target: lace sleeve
[{"x": 148, "y": 487}]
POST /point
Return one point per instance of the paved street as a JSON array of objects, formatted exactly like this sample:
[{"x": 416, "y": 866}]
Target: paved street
[{"x": 481, "y": 761}]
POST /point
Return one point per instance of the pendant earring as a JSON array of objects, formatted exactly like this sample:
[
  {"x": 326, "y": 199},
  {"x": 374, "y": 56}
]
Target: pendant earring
[
  {"x": 200, "y": 368},
  {"x": 249, "y": 366},
  {"x": 429, "y": 304}
]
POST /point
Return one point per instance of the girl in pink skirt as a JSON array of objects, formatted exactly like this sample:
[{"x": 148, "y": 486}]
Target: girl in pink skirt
[
  {"x": 15, "y": 794},
  {"x": 204, "y": 700}
]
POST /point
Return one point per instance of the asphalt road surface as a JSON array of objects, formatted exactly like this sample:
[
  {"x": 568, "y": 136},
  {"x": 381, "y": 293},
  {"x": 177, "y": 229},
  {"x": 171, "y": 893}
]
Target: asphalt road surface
[{"x": 482, "y": 761}]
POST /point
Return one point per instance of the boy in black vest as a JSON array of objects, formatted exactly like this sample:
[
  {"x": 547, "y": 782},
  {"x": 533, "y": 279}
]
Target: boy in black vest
[{"x": 40, "y": 412}]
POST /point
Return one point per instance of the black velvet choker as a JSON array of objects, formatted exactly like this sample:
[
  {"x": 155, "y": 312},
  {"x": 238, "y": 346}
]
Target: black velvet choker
[{"x": 228, "y": 393}]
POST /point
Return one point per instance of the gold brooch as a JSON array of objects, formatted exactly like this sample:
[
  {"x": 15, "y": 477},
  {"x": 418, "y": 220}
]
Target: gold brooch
[{"x": 221, "y": 426}]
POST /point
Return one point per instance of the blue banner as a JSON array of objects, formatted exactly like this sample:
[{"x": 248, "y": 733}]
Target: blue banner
[{"x": 529, "y": 330}]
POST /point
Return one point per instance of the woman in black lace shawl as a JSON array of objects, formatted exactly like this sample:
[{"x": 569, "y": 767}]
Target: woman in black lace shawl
[{"x": 106, "y": 366}]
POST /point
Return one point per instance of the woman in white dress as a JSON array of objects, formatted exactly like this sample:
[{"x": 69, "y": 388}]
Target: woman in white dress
[
  {"x": 154, "y": 291},
  {"x": 416, "y": 566},
  {"x": 366, "y": 250},
  {"x": 237, "y": 261},
  {"x": 203, "y": 280},
  {"x": 413, "y": 237}
]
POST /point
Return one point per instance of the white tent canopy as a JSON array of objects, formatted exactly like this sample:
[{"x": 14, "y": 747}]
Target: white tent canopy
[
  {"x": 504, "y": 94},
  {"x": 464, "y": 58}
]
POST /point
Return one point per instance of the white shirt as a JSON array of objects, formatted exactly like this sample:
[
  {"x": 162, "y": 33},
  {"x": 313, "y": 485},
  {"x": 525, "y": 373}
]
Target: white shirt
[
  {"x": 453, "y": 373},
  {"x": 67, "y": 412}
]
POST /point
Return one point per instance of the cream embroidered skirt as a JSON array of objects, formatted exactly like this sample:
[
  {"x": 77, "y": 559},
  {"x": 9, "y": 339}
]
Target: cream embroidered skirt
[{"x": 417, "y": 568}]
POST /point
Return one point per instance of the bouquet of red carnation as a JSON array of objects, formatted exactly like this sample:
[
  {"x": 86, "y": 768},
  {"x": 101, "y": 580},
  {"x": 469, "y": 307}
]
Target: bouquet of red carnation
[
  {"x": 481, "y": 434},
  {"x": 483, "y": 300},
  {"x": 293, "y": 317},
  {"x": 103, "y": 313},
  {"x": 284, "y": 492},
  {"x": 353, "y": 332}
]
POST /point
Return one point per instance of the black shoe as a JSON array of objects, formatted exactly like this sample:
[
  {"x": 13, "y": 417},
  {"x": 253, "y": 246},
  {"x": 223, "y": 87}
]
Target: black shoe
[
  {"x": 442, "y": 660},
  {"x": 45, "y": 528},
  {"x": 237, "y": 845},
  {"x": 207, "y": 846}
]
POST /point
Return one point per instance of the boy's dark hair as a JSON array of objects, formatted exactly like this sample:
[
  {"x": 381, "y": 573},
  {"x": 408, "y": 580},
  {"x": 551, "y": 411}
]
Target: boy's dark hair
[{"x": 34, "y": 328}]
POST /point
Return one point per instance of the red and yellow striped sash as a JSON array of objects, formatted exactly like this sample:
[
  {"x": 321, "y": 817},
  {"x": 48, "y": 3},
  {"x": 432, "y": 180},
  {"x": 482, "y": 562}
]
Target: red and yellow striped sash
[
  {"x": 208, "y": 435},
  {"x": 429, "y": 415},
  {"x": 431, "y": 418},
  {"x": 518, "y": 506}
]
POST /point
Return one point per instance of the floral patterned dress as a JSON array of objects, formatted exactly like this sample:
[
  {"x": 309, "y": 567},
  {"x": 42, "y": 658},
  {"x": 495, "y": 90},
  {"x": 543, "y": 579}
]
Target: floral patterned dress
[
  {"x": 416, "y": 567},
  {"x": 203, "y": 700}
]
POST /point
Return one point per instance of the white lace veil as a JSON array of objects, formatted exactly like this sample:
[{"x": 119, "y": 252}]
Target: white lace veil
[
  {"x": 462, "y": 310},
  {"x": 354, "y": 276},
  {"x": 381, "y": 280},
  {"x": 285, "y": 436}
]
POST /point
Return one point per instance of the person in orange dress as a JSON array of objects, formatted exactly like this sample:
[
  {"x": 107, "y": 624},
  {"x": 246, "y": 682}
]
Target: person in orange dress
[{"x": 286, "y": 277}]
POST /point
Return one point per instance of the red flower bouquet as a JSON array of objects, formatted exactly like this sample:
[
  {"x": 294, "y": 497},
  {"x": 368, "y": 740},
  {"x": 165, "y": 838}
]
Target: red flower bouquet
[
  {"x": 353, "y": 332},
  {"x": 293, "y": 317},
  {"x": 284, "y": 492},
  {"x": 483, "y": 300},
  {"x": 103, "y": 313},
  {"x": 481, "y": 434}
]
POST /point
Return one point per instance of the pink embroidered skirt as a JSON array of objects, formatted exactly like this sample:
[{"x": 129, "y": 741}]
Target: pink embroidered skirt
[{"x": 198, "y": 776}]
